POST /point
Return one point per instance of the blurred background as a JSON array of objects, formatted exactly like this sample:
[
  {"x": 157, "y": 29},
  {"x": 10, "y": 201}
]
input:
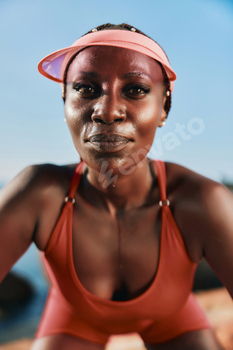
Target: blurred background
[{"x": 197, "y": 37}]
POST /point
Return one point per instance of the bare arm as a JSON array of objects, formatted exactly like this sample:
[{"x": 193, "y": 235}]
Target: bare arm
[
  {"x": 218, "y": 236},
  {"x": 29, "y": 207},
  {"x": 203, "y": 211},
  {"x": 18, "y": 218},
  {"x": 205, "y": 220}
]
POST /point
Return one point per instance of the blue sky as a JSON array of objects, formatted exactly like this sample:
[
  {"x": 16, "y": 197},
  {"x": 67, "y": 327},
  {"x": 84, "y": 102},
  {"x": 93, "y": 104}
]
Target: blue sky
[{"x": 197, "y": 36}]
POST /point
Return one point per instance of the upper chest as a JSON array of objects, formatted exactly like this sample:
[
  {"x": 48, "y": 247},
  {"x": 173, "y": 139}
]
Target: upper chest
[
  {"x": 111, "y": 254},
  {"x": 115, "y": 253}
]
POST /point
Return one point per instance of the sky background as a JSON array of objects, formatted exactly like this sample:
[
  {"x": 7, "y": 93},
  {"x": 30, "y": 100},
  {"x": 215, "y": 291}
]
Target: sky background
[{"x": 197, "y": 36}]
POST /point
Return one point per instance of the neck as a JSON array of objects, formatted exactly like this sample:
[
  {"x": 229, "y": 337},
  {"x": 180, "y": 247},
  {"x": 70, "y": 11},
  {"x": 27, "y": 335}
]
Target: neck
[{"x": 120, "y": 192}]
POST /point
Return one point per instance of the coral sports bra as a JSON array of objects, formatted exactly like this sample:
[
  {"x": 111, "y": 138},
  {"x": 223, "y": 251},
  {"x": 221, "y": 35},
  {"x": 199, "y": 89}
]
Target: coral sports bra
[{"x": 166, "y": 310}]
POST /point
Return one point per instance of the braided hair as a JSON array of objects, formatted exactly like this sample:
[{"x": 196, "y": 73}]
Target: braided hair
[{"x": 124, "y": 26}]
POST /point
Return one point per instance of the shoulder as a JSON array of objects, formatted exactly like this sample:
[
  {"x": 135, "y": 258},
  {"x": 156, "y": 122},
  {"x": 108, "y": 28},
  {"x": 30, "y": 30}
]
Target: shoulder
[
  {"x": 202, "y": 208},
  {"x": 35, "y": 197},
  {"x": 35, "y": 179},
  {"x": 48, "y": 174},
  {"x": 185, "y": 183}
]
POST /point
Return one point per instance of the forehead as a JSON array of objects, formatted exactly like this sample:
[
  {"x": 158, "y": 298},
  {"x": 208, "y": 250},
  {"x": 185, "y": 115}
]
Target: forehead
[{"x": 113, "y": 60}]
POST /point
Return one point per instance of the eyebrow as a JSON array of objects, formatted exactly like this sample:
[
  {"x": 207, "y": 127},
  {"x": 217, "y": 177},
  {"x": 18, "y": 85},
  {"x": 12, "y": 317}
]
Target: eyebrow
[
  {"x": 135, "y": 74},
  {"x": 90, "y": 74}
]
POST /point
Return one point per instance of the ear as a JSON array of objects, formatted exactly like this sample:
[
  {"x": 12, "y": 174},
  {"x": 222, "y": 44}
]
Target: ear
[
  {"x": 63, "y": 89},
  {"x": 163, "y": 115}
]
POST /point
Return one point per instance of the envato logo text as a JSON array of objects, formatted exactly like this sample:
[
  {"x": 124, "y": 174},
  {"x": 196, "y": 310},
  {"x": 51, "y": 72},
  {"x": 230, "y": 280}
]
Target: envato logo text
[{"x": 169, "y": 141}]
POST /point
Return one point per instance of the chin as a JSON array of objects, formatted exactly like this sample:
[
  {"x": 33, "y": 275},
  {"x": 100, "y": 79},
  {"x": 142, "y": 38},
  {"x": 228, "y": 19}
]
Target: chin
[{"x": 111, "y": 165}]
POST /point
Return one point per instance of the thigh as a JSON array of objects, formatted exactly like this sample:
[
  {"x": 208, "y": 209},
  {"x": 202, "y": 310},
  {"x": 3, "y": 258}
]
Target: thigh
[
  {"x": 64, "y": 342},
  {"x": 197, "y": 340}
]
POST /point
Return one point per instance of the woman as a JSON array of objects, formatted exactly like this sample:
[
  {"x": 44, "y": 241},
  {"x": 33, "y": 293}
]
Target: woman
[{"x": 120, "y": 235}]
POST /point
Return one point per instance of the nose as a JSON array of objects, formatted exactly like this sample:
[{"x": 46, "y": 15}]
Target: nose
[{"x": 108, "y": 109}]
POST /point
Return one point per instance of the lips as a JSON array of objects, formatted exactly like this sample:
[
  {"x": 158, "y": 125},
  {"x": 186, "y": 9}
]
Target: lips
[
  {"x": 108, "y": 142},
  {"x": 108, "y": 138}
]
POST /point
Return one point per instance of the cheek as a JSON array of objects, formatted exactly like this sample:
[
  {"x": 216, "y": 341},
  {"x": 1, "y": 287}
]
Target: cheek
[
  {"x": 75, "y": 109},
  {"x": 76, "y": 124},
  {"x": 148, "y": 120},
  {"x": 77, "y": 114}
]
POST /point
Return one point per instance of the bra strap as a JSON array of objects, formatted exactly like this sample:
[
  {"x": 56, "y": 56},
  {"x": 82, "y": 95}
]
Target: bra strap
[
  {"x": 75, "y": 183},
  {"x": 161, "y": 175}
]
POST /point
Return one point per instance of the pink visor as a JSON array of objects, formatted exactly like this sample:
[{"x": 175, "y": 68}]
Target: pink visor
[{"x": 53, "y": 66}]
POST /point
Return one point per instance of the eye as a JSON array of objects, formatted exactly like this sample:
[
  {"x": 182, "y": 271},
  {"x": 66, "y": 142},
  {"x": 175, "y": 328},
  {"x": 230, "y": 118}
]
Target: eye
[
  {"x": 85, "y": 90},
  {"x": 136, "y": 91}
]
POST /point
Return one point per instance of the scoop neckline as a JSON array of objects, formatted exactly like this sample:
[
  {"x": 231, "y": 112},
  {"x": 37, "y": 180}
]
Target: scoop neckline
[{"x": 102, "y": 300}]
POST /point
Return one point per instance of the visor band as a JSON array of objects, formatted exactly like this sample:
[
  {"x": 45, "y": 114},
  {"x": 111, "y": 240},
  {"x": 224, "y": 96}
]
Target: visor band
[{"x": 53, "y": 66}]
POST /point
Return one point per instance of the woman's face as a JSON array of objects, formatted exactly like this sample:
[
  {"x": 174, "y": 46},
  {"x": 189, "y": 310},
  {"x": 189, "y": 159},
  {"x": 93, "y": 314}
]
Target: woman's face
[{"x": 114, "y": 103}]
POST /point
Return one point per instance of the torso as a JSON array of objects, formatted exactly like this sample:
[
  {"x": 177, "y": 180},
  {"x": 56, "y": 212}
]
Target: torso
[
  {"x": 116, "y": 257},
  {"x": 96, "y": 251},
  {"x": 119, "y": 253}
]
